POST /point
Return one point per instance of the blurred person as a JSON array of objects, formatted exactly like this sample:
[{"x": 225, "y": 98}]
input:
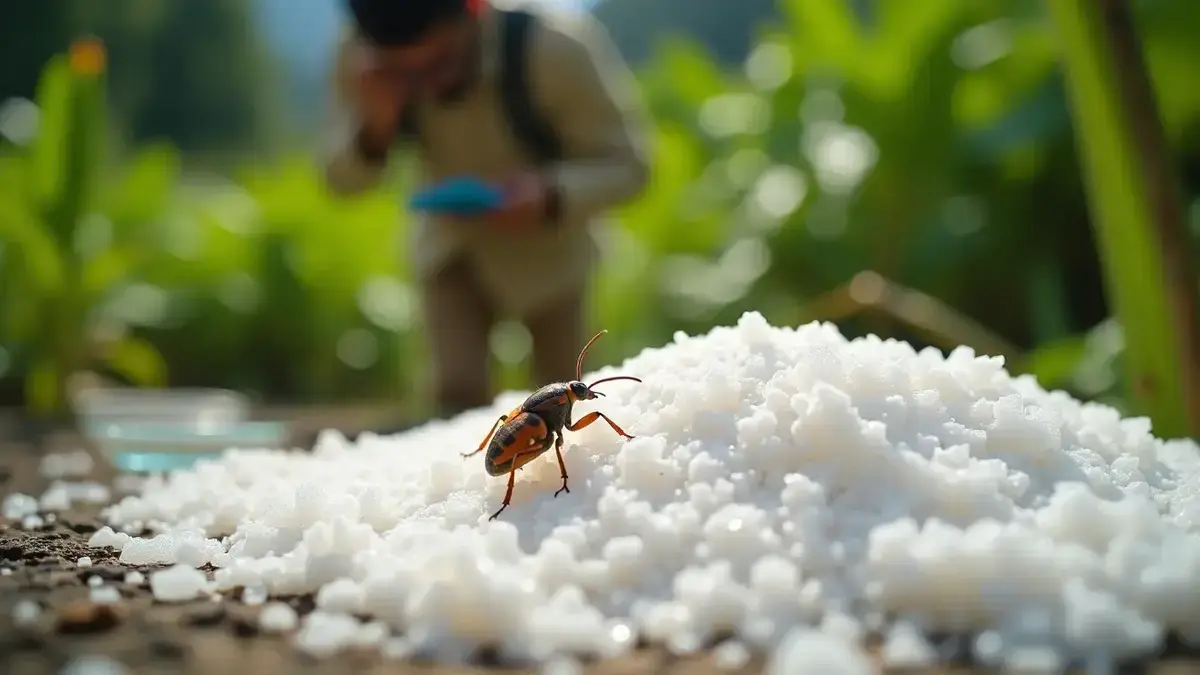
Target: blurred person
[{"x": 542, "y": 105}]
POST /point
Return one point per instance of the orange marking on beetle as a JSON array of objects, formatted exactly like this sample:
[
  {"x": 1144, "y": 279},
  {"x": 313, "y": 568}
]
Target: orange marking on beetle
[{"x": 528, "y": 431}]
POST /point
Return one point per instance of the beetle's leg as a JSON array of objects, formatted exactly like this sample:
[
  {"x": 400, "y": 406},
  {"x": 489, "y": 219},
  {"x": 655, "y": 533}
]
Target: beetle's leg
[
  {"x": 501, "y": 420},
  {"x": 562, "y": 467},
  {"x": 587, "y": 420}
]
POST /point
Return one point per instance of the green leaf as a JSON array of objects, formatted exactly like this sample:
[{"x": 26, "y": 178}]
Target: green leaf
[
  {"x": 137, "y": 361},
  {"x": 32, "y": 246},
  {"x": 145, "y": 189},
  {"x": 49, "y": 148}
]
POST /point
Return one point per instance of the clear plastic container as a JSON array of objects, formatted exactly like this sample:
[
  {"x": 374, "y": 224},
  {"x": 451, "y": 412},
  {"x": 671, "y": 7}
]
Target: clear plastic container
[{"x": 155, "y": 430}]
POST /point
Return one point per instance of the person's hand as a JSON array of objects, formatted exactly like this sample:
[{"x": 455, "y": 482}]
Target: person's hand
[
  {"x": 380, "y": 98},
  {"x": 524, "y": 207}
]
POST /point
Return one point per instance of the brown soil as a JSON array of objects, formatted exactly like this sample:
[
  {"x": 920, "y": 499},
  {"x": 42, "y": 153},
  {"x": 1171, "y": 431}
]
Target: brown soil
[{"x": 206, "y": 637}]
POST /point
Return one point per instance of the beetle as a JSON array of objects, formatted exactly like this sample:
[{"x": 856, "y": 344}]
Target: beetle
[{"x": 528, "y": 431}]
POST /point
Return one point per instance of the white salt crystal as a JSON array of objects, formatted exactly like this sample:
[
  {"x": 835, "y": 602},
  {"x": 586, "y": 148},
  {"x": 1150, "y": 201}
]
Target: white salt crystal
[
  {"x": 84, "y": 562},
  {"x": 26, "y": 612},
  {"x": 324, "y": 634},
  {"x": 731, "y": 655},
  {"x": 177, "y": 583},
  {"x": 562, "y": 666},
  {"x": 906, "y": 647},
  {"x": 105, "y": 537},
  {"x": 5, "y": 571},
  {"x": 94, "y": 665},
  {"x": 95, "y": 581},
  {"x": 105, "y": 595},
  {"x": 17, "y": 506},
  {"x": 780, "y": 478},
  {"x": 277, "y": 617},
  {"x": 73, "y": 464},
  {"x": 32, "y": 523},
  {"x": 56, "y": 498},
  {"x": 808, "y": 652},
  {"x": 135, "y": 578}
]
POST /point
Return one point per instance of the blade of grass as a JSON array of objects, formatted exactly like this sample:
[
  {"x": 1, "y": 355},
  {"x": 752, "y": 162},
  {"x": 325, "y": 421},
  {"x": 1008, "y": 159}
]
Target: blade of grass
[{"x": 1136, "y": 210}]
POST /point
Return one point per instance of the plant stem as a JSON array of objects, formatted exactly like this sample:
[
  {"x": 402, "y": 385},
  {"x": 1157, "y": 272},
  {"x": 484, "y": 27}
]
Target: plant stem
[{"x": 1136, "y": 210}]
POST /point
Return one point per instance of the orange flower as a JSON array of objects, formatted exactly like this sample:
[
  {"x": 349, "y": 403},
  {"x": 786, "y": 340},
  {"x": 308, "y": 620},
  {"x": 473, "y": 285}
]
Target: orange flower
[{"x": 87, "y": 56}]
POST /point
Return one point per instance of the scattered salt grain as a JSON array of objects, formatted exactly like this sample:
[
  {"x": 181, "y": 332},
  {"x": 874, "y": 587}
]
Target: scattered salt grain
[
  {"x": 105, "y": 537},
  {"x": 73, "y": 464},
  {"x": 94, "y": 581},
  {"x": 178, "y": 583},
  {"x": 731, "y": 655},
  {"x": 779, "y": 479},
  {"x": 18, "y": 505},
  {"x": 84, "y": 562},
  {"x": 94, "y": 665},
  {"x": 562, "y": 665},
  {"x": 323, "y": 634},
  {"x": 277, "y": 617},
  {"x": 135, "y": 578},
  {"x": 254, "y": 595},
  {"x": 808, "y": 652},
  {"x": 5, "y": 571},
  {"x": 32, "y": 523},
  {"x": 1034, "y": 661},
  {"x": 906, "y": 647},
  {"x": 55, "y": 498},
  {"x": 396, "y": 649},
  {"x": 26, "y": 612},
  {"x": 105, "y": 595}
]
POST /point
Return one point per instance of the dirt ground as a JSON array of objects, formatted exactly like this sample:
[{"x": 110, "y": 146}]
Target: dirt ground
[{"x": 206, "y": 637}]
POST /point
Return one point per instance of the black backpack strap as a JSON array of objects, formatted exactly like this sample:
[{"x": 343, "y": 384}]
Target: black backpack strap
[{"x": 530, "y": 128}]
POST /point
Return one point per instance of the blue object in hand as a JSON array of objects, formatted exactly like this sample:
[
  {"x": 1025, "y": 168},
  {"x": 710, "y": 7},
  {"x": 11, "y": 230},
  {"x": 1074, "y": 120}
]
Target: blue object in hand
[{"x": 458, "y": 196}]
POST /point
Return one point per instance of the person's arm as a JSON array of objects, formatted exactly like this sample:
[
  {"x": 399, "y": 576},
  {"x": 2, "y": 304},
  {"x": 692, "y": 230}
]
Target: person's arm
[
  {"x": 598, "y": 117},
  {"x": 352, "y": 163}
]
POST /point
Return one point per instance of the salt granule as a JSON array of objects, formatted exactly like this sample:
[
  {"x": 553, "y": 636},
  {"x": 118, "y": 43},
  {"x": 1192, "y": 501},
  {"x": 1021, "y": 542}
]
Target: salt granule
[
  {"x": 177, "y": 583},
  {"x": 95, "y": 581},
  {"x": 18, "y": 506},
  {"x": 73, "y": 464},
  {"x": 135, "y": 578},
  {"x": 32, "y": 523},
  {"x": 788, "y": 487},
  {"x": 731, "y": 655},
  {"x": 277, "y": 617},
  {"x": 94, "y": 665},
  {"x": 808, "y": 652},
  {"x": 26, "y": 612},
  {"x": 104, "y": 595},
  {"x": 84, "y": 562}
]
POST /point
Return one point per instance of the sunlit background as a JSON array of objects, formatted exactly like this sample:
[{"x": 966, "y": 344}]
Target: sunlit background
[{"x": 904, "y": 168}]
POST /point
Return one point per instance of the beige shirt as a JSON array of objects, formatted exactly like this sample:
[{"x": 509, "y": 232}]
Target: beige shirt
[{"x": 584, "y": 89}]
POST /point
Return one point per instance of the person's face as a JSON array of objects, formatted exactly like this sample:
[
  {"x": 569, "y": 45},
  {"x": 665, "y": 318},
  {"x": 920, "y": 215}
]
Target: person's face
[{"x": 438, "y": 65}]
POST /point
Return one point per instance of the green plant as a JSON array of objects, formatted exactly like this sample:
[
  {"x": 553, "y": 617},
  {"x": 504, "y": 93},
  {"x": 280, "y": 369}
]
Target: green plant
[
  {"x": 1136, "y": 211},
  {"x": 65, "y": 228}
]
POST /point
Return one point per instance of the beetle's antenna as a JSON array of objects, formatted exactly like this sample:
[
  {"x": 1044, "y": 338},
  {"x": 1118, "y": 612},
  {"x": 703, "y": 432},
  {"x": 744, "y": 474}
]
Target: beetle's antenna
[
  {"x": 612, "y": 379},
  {"x": 582, "y": 353}
]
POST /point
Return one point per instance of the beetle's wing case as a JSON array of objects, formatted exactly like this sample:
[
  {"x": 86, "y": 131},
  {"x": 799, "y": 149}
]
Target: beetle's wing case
[{"x": 517, "y": 442}]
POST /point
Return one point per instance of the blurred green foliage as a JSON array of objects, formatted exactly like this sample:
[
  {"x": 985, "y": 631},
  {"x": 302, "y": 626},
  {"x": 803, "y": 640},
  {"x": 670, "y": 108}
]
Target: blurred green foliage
[{"x": 927, "y": 142}]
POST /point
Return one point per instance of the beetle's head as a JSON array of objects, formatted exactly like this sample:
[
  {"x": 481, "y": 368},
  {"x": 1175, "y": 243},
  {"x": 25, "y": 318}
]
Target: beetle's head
[{"x": 581, "y": 392}]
